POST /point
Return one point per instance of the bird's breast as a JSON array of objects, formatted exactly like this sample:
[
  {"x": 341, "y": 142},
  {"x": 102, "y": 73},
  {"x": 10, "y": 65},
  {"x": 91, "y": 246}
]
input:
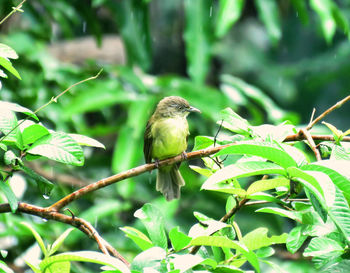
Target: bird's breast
[{"x": 169, "y": 137}]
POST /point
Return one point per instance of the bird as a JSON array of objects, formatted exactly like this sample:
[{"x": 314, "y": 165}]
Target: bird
[{"x": 166, "y": 136}]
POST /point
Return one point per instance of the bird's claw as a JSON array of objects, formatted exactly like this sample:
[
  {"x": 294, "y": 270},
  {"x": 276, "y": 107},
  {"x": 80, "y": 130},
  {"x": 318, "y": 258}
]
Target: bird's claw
[
  {"x": 184, "y": 156},
  {"x": 156, "y": 162}
]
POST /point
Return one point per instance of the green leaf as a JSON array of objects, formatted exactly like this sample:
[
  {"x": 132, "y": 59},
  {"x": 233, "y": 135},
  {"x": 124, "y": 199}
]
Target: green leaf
[
  {"x": 295, "y": 239},
  {"x": 339, "y": 153},
  {"x": 267, "y": 184},
  {"x": 4, "y": 268},
  {"x": 127, "y": 152},
  {"x": 99, "y": 95},
  {"x": 134, "y": 31},
  {"x": 324, "y": 10},
  {"x": 59, "y": 241},
  {"x": 37, "y": 237},
  {"x": 334, "y": 130},
  {"x": 7, "y": 52},
  {"x": 206, "y": 227},
  {"x": 258, "y": 238},
  {"x": 3, "y": 146},
  {"x": 274, "y": 112},
  {"x": 205, "y": 172},
  {"x": 186, "y": 262},
  {"x": 324, "y": 250},
  {"x": 340, "y": 19},
  {"x": 301, "y": 9},
  {"x": 271, "y": 132},
  {"x": 229, "y": 13},
  {"x": 198, "y": 38},
  {"x": 148, "y": 259},
  {"x": 10, "y": 158},
  {"x": 269, "y": 14},
  {"x": 154, "y": 222},
  {"x": 85, "y": 256},
  {"x": 265, "y": 252},
  {"x": 319, "y": 184},
  {"x": 10, "y": 196},
  {"x": 44, "y": 185},
  {"x": 60, "y": 147},
  {"x": 282, "y": 212},
  {"x": 269, "y": 151},
  {"x": 202, "y": 142},
  {"x": 59, "y": 267},
  {"x": 138, "y": 237},
  {"x": 178, "y": 239},
  {"x": 220, "y": 241},
  {"x": 238, "y": 170},
  {"x": 17, "y": 108},
  {"x": 340, "y": 214},
  {"x": 336, "y": 170},
  {"x": 87, "y": 141},
  {"x": 8, "y": 66},
  {"x": 33, "y": 132},
  {"x": 9, "y": 127},
  {"x": 233, "y": 122}
]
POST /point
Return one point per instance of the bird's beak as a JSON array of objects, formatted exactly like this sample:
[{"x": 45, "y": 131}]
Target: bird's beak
[{"x": 193, "y": 109}]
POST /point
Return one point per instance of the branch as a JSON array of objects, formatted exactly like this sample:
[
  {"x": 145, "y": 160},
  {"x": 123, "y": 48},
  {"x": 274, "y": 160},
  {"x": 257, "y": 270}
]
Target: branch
[
  {"x": 151, "y": 166},
  {"x": 298, "y": 137},
  {"x": 79, "y": 223},
  {"x": 131, "y": 173},
  {"x": 311, "y": 142},
  {"x": 328, "y": 111}
]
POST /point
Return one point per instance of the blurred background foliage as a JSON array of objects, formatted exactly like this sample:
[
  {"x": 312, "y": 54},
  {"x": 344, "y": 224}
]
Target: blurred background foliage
[{"x": 268, "y": 60}]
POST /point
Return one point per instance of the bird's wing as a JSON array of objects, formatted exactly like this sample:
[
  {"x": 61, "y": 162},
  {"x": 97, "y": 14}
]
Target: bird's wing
[{"x": 147, "y": 145}]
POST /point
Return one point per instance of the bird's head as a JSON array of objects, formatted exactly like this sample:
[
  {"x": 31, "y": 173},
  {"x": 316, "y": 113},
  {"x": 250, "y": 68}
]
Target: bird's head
[{"x": 174, "y": 106}]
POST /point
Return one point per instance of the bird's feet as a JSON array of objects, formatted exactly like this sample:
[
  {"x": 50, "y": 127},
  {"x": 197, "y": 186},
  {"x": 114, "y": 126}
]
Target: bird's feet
[
  {"x": 184, "y": 156},
  {"x": 156, "y": 162}
]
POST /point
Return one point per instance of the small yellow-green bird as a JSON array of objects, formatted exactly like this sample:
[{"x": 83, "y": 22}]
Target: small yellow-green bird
[{"x": 166, "y": 136}]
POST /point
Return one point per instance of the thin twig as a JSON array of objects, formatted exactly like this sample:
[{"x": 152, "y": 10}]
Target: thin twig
[
  {"x": 14, "y": 9},
  {"x": 53, "y": 99},
  {"x": 312, "y": 115},
  {"x": 311, "y": 142},
  {"x": 328, "y": 111}
]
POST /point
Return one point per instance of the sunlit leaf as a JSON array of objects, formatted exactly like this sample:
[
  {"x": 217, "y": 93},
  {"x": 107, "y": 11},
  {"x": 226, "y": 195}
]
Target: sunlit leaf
[
  {"x": 60, "y": 147},
  {"x": 267, "y": 150},
  {"x": 258, "y": 238},
  {"x": 7, "y": 52},
  {"x": 324, "y": 11},
  {"x": 87, "y": 141},
  {"x": 10, "y": 196},
  {"x": 85, "y": 256},
  {"x": 229, "y": 12},
  {"x": 269, "y": 14},
  {"x": 282, "y": 212},
  {"x": 198, "y": 38},
  {"x": 138, "y": 237},
  {"x": 8, "y": 66},
  {"x": 154, "y": 222},
  {"x": 295, "y": 239},
  {"x": 220, "y": 241}
]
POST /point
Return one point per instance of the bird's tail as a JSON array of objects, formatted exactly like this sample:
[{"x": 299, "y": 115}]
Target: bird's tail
[{"x": 169, "y": 182}]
